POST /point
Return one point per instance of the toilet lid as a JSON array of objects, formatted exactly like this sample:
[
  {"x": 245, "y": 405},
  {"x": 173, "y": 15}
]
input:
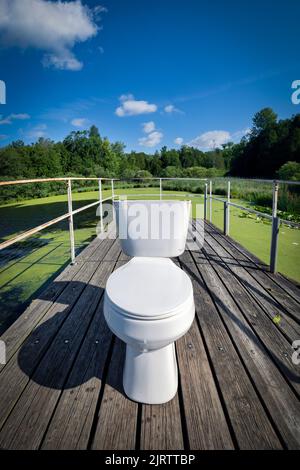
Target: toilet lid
[{"x": 148, "y": 288}]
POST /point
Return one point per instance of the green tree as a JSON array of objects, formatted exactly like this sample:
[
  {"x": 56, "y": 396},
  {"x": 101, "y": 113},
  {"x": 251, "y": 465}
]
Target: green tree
[
  {"x": 263, "y": 120},
  {"x": 94, "y": 132},
  {"x": 109, "y": 160}
]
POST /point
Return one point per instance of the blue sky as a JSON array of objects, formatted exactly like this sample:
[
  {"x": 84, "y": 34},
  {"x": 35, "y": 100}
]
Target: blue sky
[{"x": 194, "y": 71}]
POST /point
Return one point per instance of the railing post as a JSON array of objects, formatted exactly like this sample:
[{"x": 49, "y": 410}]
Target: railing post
[
  {"x": 112, "y": 199},
  {"x": 71, "y": 225},
  {"x": 226, "y": 206},
  {"x": 205, "y": 202},
  {"x": 275, "y": 199},
  {"x": 274, "y": 244},
  {"x": 160, "y": 189},
  {"x": 100, "y": 205},
  {"x": 112, "y": 190},
  {"x": 210, "y": 200},
  {"x": 275, "y": 229}
]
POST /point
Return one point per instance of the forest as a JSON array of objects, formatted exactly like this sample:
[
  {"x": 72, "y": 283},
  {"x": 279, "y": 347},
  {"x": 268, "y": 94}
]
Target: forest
[{"x": 270, "y": 150}]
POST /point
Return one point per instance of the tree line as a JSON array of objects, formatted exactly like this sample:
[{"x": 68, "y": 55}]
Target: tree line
[{"x": 271, "y": 149}]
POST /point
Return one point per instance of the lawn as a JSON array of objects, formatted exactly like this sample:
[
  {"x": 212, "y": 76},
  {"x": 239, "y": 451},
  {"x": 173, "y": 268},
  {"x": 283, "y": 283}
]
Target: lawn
[{"x": 25, "y": 268}]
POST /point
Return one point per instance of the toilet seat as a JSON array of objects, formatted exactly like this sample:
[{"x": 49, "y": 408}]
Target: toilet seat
[{"x": 149, "y": 289}]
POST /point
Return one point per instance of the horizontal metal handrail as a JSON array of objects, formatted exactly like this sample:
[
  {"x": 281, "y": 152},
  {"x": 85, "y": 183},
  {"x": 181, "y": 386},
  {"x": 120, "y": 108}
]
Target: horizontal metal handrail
[
  {"x": 289, "y": 222},
  {"x": 253, "y": 211},
  {"x": 158, "y": 178},
  {"x": 257, "y": 180},
  {"x": 47, "y": 224},
  {"x": 48, "y": 180},
  {"x": 32, "y": 231},
  {"x": 78, "y": 178},
  {"x": 272, "y": 181},
  {"x": 238, "y": 206}
]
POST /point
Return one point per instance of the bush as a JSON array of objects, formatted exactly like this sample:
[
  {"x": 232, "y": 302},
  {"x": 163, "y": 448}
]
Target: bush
[
  {"x": 172, "y": 172},
  {"x": 143, "y": 174},
  {"x": 289, "y": 171},
  {"x": 196, "y": 172}
]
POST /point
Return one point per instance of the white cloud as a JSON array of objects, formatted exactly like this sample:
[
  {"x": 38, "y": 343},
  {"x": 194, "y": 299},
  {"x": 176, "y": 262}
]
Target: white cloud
[
  {"x": 236, "y": 136},
  {"x": 215, "y": 139},
  {"x": 148, "y": 127},
  {"x": 50, "y": 26},
  {"x": 170, "y": 108},
  {"x": 152, "y": 139},
  {"x": 3, "y": 136},
  {"x": 131, "y": 107},
  {"x": 11, "y": 117},
  {"x": 178, "y": 141},
  {"x": 79, "y": 122},
  {"x": 210, "y": 140},
  {"x": 37, "y": 131}
]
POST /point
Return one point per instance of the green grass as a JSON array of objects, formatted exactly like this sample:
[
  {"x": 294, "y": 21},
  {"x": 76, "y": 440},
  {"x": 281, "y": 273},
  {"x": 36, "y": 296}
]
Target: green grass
[
  {"x": 27, "y": 267},
  {"x": 255, "y": 235}
]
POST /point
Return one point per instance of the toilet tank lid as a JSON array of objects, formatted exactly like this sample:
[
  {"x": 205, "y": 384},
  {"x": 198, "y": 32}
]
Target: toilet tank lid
[{"x": 149, "y": 287}]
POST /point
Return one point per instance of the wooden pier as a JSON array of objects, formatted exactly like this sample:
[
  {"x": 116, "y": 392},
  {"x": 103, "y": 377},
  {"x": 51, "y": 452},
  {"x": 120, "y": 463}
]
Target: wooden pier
[{"x": 61, "y": 387}]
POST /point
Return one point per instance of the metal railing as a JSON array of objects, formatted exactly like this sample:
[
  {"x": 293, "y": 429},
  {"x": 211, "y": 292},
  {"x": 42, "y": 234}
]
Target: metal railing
[
  {"x": 208, "y": 198},
  {"x": 276, "y": 221},
  {"x": 69, "y": 215}
]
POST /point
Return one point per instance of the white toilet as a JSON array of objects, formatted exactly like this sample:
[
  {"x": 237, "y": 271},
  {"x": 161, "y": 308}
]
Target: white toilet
[{"x": 149, "y": 301}]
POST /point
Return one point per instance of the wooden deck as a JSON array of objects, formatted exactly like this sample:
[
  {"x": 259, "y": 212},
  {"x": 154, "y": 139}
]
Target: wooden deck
[{"x": 61, "y": 387}]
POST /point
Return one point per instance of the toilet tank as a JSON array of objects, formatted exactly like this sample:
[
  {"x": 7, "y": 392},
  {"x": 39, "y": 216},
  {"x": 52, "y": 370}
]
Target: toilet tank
[{"x": 152, "y": 227}]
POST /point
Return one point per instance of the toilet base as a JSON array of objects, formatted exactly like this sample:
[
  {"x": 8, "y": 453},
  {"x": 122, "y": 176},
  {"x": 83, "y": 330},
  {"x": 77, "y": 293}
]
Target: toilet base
[{"x": 150, "y": 377}]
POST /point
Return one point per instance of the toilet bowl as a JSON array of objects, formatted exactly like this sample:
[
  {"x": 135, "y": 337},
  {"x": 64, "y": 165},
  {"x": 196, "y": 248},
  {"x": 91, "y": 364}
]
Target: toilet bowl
[{"x": 149, "y": 304}]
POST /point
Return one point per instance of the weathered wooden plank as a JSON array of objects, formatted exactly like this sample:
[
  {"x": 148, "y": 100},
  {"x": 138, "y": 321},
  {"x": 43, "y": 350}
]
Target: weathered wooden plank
[
  {"x": 206, "y": 423},
  {"x": 29, "y": 419},
  {"x": 288, "y": 326},
  {"x": 89, "y": 249},
  {"x": 117, "y": 422},
  {"x": 278, "y": 346},
  {"x": 22, "y": 327},
  {"x": 115, "y": 405},
  {"x": 276, "y": 394},
  {"x": 291, "y": 288},
  {"x": 124, "y": 257},
  {"x": 279, "y": 295},
  {"x": 13, "y": 378},
  {"x": 111, "y": 255},
  {"x": 253, "y": 260},
  {"x": 161, "y": 427},
  {"x": 71, "y": 424},
  {"x": 249, "y": 421}
]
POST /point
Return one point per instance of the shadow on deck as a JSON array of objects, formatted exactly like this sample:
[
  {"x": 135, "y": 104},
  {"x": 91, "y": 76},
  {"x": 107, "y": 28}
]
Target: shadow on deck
[{"x": 61, "y": 387}]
